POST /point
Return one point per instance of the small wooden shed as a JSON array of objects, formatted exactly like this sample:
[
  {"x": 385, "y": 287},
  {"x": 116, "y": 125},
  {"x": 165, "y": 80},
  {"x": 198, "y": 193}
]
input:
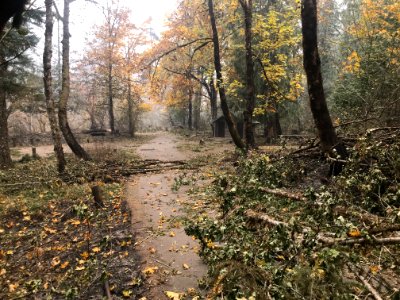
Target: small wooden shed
[{"x": 219, "y": 127}]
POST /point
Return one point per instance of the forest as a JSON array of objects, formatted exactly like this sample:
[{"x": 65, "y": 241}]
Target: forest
[{"x": 244, "y": 149}]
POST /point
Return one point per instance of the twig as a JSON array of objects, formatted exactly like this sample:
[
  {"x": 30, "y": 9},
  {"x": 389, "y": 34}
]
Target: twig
[
  {"x": 369, "y": 287},
  {"x": 107, "y": 289}
]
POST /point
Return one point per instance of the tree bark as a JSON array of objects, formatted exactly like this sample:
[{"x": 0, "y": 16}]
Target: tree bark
[
  {"x": 217, "y": 62},
  {"x": 65, "y": 90},
  {"x": 190, "y": 109},
  {"x": 213, "y": 100},
  {"x": 5, "y": 154},
  {"x": 48, "y": 88},
  {"x": 131, "y": 119},
  {"x": 110, "y": 98},
  {"x": 312, "y": 66},
  {"x": 197, "y": 109},
  {"x": 247, "y": 6}
]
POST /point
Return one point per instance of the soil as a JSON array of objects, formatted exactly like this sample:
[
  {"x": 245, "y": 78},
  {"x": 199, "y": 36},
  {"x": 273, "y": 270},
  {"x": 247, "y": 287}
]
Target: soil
[{"x": 169, "y": 257}]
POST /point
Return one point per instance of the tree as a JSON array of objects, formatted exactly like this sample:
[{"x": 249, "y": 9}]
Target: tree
[
  {"x": 312, "y": 66},
  {"x": 48, "y": 89},
  {"x": 11, "y": 9},
  {"x": 218, "y": 69},
  {"x": 65, "y": 90},
  {"x": 247, "y": 6},
  {"x": 14, "y": 65}
]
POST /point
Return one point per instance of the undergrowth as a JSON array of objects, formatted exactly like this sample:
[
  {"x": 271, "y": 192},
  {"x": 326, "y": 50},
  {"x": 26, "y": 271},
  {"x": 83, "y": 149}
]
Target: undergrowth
[{"x": 283, "y": 231}]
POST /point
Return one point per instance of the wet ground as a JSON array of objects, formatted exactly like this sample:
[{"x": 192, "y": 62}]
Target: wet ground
[{"x": 169, "y": 257}]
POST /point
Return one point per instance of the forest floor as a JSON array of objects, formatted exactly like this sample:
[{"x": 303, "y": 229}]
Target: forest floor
[{"x": 55, "y": 243}]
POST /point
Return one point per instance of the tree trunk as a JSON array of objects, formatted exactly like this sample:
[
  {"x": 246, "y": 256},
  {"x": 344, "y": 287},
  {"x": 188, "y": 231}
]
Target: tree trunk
[
  {"x": 48, "y": 88},
  {"x": 272, "y": 127},
  {"x": 247, "y": 6},
  {"x": 110, "y": 99},
  {"x": 190, "y": 109},
  {"x": 5, "y": 154},
  {"x": 312, "y": 65},
  {"x": 131, "y": 118},
  {"x": 217, "y": 62},
  {"x": 65, "y": 89},
  {"x": 197, "y": 109},
  {"x": 213, "y": 100}
]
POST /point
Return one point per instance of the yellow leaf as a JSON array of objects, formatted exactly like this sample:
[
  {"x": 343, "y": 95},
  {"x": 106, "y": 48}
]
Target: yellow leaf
[
  {"x": 374, "y": 269},
  {"x": 2, "y": 272},
  {"x": 50, "y": 230},
  {"x": 186, "y": 266},
  {"x": 96, "y": 249},
  {"x": 354, "y": 233},
  {"x": 172, "y": 234},
  {"x": 55, "y": 261},
  {"x": 80, "y": 268},
  {"x": 75, "y": 222},
  {"x": 127, "y": 293},
  {"x": 27, "y": 218},
  {"x": 64, "y": 265},
  {"x": 150, "y": 270},
  {"x": 12, "y": 287},
  {"x": 85, "y": 255},
  {"x": 173, "y": 295},
  {"x": 10, "y": 252}
]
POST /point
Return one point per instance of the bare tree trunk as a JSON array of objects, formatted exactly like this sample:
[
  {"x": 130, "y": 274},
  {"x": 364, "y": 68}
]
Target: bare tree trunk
[
  {"x": 247, "y": 6},
  {"x": 190, "y": 109},
  {"x": 131, "y": 118},
  {"x": 197, "y": 109},
  {"x": 110, "y": 99},
  {"x": 213, "y": 100},
  {"x": 48, "y": 88},
  {"x": 217, "y": 62},
  {"x": 312, "y": 65},
  {"x": 65, "y": 89},
  {"x": 5, "y": 154}
]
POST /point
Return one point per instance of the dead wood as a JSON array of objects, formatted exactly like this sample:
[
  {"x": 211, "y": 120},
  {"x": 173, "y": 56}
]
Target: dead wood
[
  {"x": 285, "y": 194},
  {"x": 325, "y": 237},
  {"x": 97, "y": 194}
]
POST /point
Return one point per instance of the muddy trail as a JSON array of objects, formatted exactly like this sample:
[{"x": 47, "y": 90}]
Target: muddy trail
[{"x": 169, "y": 258}]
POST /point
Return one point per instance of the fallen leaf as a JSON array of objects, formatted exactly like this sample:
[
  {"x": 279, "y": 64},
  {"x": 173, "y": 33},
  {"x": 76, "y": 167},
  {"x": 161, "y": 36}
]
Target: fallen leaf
[
  {"x": 64, "y": 265},
  {"x": 85, "y": 255},
  {"x": 12, "y": 287},
  {"x": 2, "y": 272},
  {"x": 374, "y": 269},
  {"x": 96, "y": 249},
  {"x": 50, "y": 230},
  {"x": 173, "y": 295},
  {"x": 127, "y": 293},
  {"x": 185, "y": 266},
  {"x": 10, "y": 252},
  {"x": 150, "y": 270},
  {"x": 80, "y": 268},
  {"x": 152, "y": 250},
  {"x": 172, "y": 234},
  {"x": 354, "y": 233},
  {"x": 55, "y": 261},
  {"x": 1, "y": 230},
  {"x": 26, "y": 218},
  {"x": 75, "y": 222}
]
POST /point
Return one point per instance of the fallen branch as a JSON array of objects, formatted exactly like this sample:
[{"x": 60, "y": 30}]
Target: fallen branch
[
  {"x": 325, "y": 238},
  {"x": 369, "y": 287},
  {"x": 285, "y": 194}
]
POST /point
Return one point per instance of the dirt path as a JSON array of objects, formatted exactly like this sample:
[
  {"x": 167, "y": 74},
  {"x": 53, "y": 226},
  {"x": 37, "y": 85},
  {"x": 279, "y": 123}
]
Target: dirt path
[{"x": 169, "y": 257}]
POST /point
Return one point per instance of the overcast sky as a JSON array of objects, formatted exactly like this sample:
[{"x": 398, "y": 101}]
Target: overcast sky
[{"x": 84, "y": 15}]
